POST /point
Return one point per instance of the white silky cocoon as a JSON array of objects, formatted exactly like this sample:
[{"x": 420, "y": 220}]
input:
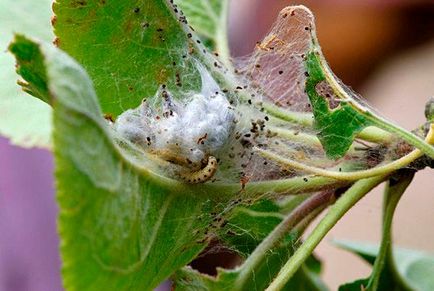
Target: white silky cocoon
[{"x": 193, "y": 128}]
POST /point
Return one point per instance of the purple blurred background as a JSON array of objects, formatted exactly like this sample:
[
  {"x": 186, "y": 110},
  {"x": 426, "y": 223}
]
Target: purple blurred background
[{"x": 29, "y": 258}]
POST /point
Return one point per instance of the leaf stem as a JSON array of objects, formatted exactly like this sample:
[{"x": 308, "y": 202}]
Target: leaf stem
[
  {"x": 423, "y": 145},
  {"x": 293, "y": 186},
  {"x": 321, "y": 199},
  {"x": 300, "y": 118},
  {"x": 278, "y": 188},
  {"x": 356, "y": 175},
  {"x": 378, "y": 121},
  {"x": 392, "y": 195},
  {"x": 348, "y": 176},
  {"x": 375, "y": 135},
  {"x": 295, "y": 136},
  {"x": 304, "y": 223},
  {"x": 222, "y": 44},
  {"x": 343, "y": 204},
  {"x": 370, "y": 133}
]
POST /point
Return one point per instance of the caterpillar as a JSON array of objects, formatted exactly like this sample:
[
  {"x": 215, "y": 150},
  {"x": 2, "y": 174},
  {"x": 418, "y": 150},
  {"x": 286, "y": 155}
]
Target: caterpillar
[
  {"x": 191, "y": 176},
  {"x": 202, "y": 175}
]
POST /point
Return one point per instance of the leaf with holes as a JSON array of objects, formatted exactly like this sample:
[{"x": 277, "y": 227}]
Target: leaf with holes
[
  {"x": 338, "y": 121},
  {"x": 289, "y": 69}
]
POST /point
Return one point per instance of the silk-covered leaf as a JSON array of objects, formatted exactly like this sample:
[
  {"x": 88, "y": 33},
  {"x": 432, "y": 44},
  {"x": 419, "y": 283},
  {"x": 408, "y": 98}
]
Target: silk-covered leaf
[
  {"x": 288, "y": 69},
  {"x": 245, "y": 228},
  {"x": 248, "y": 226},
  {"x": 122, "y": 226},
  {"x": 129, "y": 48},
  {"x": 338, "y": 121},
  {"x": 189, "y": 279},
  {"x": 25, "y": 121}
]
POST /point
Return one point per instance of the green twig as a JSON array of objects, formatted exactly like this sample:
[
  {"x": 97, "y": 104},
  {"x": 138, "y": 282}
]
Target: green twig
[
  {"x": 272, "y": 188},
  {"x": 279, "y": 232},
  {"x": 409, "y": 137},
  {"x": 356, "y": 175},
  {"x": 295, "y": 136},
  {"x": 351, "y": 196},
  {"x": 301, "y": 118},
  {"x": 375, "y": 135},
  {"x": 392, "y": 195},
  {"x": 349, "y": 176}
]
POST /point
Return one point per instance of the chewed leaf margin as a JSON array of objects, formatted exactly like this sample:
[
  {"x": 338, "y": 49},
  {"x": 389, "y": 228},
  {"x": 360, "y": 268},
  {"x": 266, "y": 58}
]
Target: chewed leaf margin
[
  {"x": 291, "y": 76},
  {"x": 31, "y": 68},
  {"x": 337, "y": 126}
]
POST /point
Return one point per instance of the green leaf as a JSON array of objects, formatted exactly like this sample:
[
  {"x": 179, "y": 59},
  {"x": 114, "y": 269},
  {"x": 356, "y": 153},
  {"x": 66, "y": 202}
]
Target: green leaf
[
  {"x": 415, "y": 267},
  {"x": 244, "y": 230},
  {"x": 420, "y": 273},
  {"x": 367, "y": 252},
  {"x": 339, "y": 115},
  {"x": 122, "y": 225},
  {"x": 188, "y": 279},
  {"x": 25, "y": 121},
  {"x": 32, "y": 69},
  {"x": 248, "y": 226},
  {"x": 304, "y": 279},
  {"x": 208, "y": 18},
  {"x": 338, "y": 124},
  {"x": 129, "y": 48},
  {"x": 357, "y": 285}
]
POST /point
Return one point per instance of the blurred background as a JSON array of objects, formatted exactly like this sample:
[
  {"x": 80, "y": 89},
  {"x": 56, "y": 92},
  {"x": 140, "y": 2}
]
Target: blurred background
[{"x": 383, "y": 49}]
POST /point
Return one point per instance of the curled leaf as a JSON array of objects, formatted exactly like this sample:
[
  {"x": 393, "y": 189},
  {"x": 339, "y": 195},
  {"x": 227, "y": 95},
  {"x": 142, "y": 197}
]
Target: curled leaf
[
  {"x": 122, "y": 225},
  {"x": 26, "y": 122},
  {"x": 289, "y": 70}
]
